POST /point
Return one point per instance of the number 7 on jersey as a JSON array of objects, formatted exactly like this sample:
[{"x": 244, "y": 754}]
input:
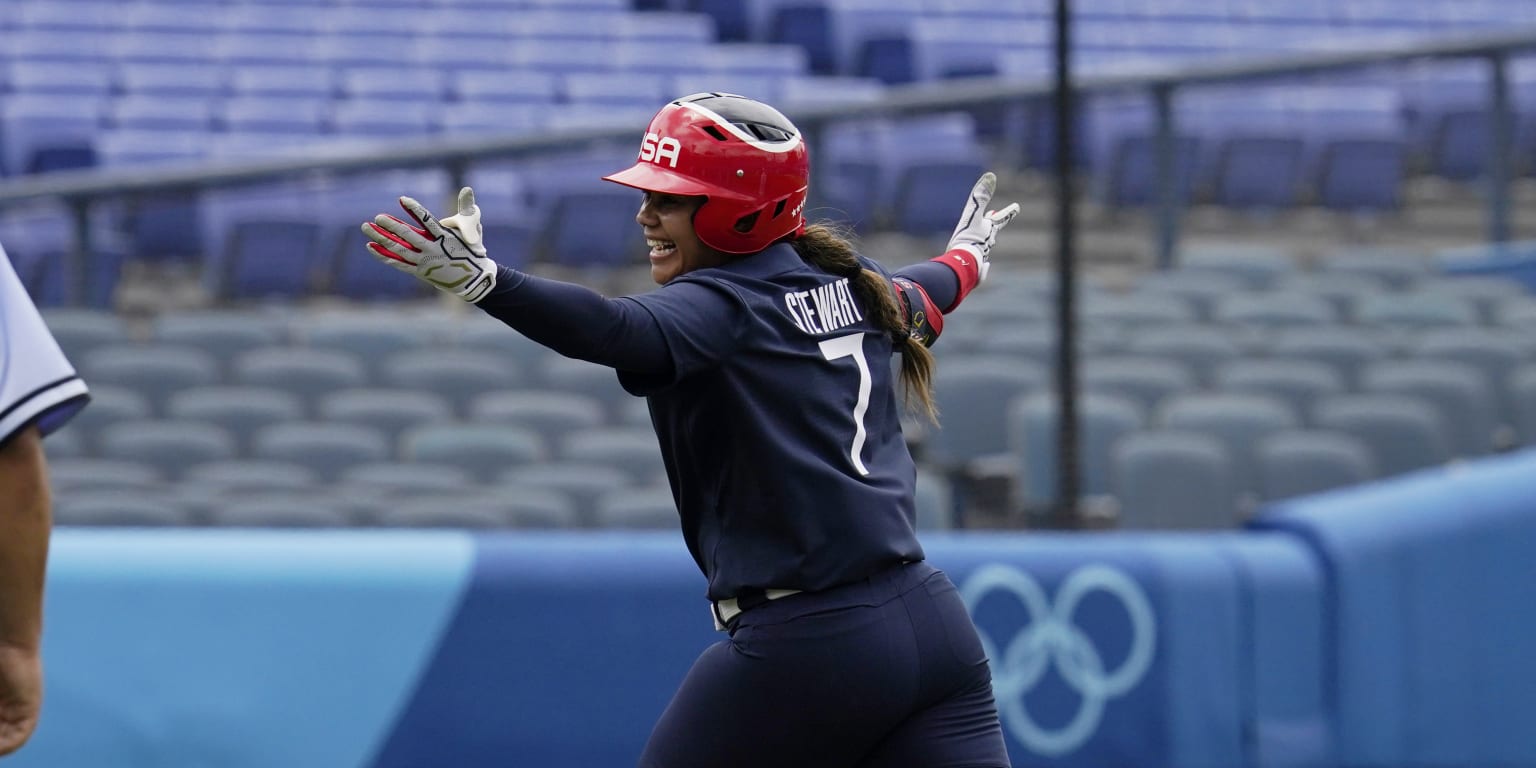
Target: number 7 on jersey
[{"x": 852, "y": 346}]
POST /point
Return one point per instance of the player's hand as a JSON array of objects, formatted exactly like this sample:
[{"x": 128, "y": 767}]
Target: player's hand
[
  {"x": 21, "y": 696},
  {"x": 448, "y": 254},
  {"x": 977, "y": 231}
]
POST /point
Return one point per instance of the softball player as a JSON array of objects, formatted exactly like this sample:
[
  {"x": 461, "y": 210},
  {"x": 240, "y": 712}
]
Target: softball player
[
  {"x": 765, "y": 358},
  {"x": 39, "y": 391}
]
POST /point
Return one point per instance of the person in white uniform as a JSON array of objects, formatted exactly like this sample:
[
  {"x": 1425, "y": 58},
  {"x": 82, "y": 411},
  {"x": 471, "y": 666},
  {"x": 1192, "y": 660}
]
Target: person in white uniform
[{"x": 39, "y": 391}]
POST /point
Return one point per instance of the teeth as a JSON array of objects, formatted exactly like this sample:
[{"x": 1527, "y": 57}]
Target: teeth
[{"x": 660, "y": 244}]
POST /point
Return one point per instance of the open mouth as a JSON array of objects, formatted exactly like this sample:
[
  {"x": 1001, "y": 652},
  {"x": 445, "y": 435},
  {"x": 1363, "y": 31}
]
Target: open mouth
[{"x": 661, "y": 248}]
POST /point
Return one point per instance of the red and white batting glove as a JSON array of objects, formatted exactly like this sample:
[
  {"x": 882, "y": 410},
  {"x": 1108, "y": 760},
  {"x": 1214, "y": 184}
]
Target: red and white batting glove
[
  {"x": 970, "y": 247},
  {"x": 447, "y": 254}
]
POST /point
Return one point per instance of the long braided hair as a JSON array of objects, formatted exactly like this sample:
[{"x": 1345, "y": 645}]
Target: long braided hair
[{"x": 830, "y": 248}]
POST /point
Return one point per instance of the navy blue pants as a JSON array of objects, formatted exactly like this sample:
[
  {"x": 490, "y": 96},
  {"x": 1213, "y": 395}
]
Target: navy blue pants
[{"x": 880, "y": 673}]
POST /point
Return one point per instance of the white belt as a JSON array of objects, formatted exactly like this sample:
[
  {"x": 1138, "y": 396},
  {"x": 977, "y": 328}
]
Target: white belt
[{"x": 729, "y": 608}]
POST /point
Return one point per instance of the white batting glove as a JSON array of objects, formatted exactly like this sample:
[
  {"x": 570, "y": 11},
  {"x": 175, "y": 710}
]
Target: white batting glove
[
  {"x": 447, "y": 254},
  {"x": 976, "y": 232}
]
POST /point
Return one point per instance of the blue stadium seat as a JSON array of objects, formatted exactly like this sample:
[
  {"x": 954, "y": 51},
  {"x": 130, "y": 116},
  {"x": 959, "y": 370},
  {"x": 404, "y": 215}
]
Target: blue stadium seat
[
  {"x": 1239, "y": 421},
  {"x": 240, "y": 410},
  {"x": 391, "y": 410},
  {"x": 1258, "y": 265},
  {"x": 35, "y": 123},
  {"x": 285, "y": 77},
  {"x": 81, "y": 475},
  {"x": 1033, "y": 426},
  {"x": 391, "y": 82},
  {"x": 1342, "y": 290},
  {"x": 169, "y": 445},
  {"x": 633, "y": 450},
  {"x": 560, "y": 56},
  {"x": 78, "y": 331},
  {"x": 62, "y": 45},
  {"x": 465, "y": 55},
  {"x": 1199, "y": 348},
  {"x": 1462, "y": 395},
  {"x": 456, "y": 374},
  {"x": 75, "y": 17},
  {"x": 326, "y": 448},
  {"x": 1201, "y": 290},
  {"x": 1299, "y": 462},
  {"x": 473, "y": 86},
  {"x": 160, "y": 113},
  {"x": 637, "y": 508},
  {"x": 310, "y": 373},
  {"x": 90, "y": 80},
  {"x": 1396, "y": 267},
  {"x": 1136, "y": 310},
  {"x": 274, "y": 115},
  {"x": 110, "y": 403},
  {"x": 598, "y": 382},
  {"x": 614, "y": 88},
  {"x": 1166, "y": 479},
  {"x": 394, "y": 480},
  {"x": 358, "y": 47},
  {"x": 969, "y": 392},
  {"x": 1485, "y": 292},
  {"x": 223, "y": 334},
  {"x": 383, "y": 119},
  {"x": 279, "y": 511},
  {"x": 1415, "y": 310},
  {"x": 226, "y": 479},
  {"x": 1405, "y": 433},
  {"x": 266, "y": 258},
  {"x": 480, "y": 511},
  {"x": 1297, "y": 382},
  {"x": 921, "y": 188},
  {"x": 154, "y": 370},
  {"x": 1362, "y": 175},
  {"x": 551, "y": 413},
  {"x": 484, "y": 450},
  {"x": 1272, "y": 310},
  {"x": 173, "y": 80},
  {"x": 584, "y": 484},
  {"x": 119, "y": 509},
  {"x": 370, "y": 336},
  {"x": 187, "y": 48},
  {"x": 675, "y": 30},
  {"x": 1146, "y": 381},
  {"x": 490, "y": 336},
  {"x": 1347, "y": 349}
]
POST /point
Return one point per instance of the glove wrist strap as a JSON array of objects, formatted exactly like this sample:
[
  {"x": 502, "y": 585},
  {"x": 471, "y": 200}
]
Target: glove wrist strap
[{"x": 966, "y": 264}]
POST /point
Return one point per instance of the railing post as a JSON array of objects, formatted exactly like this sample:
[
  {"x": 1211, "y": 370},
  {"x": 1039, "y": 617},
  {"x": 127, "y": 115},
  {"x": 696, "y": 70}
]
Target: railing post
[
  {"x": 77, "y": 289},
  {"x": 1165, "y": 153},
  {"x": 1499, "y": 151}
]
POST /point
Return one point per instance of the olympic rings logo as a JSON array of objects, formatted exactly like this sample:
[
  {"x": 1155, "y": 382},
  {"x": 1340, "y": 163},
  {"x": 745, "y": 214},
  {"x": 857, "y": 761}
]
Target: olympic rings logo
[{"x": 1051, "y": 637}]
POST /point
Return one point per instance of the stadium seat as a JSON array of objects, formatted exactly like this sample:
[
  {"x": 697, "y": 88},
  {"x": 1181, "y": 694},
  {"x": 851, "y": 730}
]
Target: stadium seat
[
  {"x": 279, "y": 511},
  {"x": 1298, "y": 382},
  {"x": 1199, "y": 348},
  {"x": 223, "y": 334},
  {"x": 81, "y": 475},
  {"x": 1146, "y": 381},
  {"x": 160, "y": 113},
  {"x": 1341, "y": 290},
  {"x": 1463, "y": 396},
  {"x": 394, "y": 480},
  {"x": 934, "y": 501},
  {"x": 37, "y": 123},
  {"x": 154, "y": 370},
  {"x": 310, "y": 373},
  {"x": 456, "y": 374},
  {"x": 1485, "y": 292},
  {"x": 1257, "y": 172},
  {"x": 369, "y": 336},
  {"x": 614, "y": 88},
  {"x": 1136, "y": 310},
  {"x": 1494, "y": 352},
  {"x": 584, "y": 484},
  {"x": 383, "y": 119},
  {"x": 484, "y": 450},
  {"x": 551, "y": 413},
  {"x": 969, "y": 392},
  {"x": 487, "y": 335},
  {"x": 90, "y": 80},
  {"x": 328, "y": 449},
  {"x": 391, "y": 410},
  {"x": 282, "y": 114},
  {"x": 592, "y": 229},
  {"x": 1346, "y": 348},
  {"x": 1404, "y": 432},
  {"x": 633, "y": 450},
  {"x": 468, "y": 511},
  {"x": 110, "y": 403},
  {"x": 921, "y": 189},
  {"x": 1394, "y": 266},
  {"x": 185, "y": 48},
  {"x": 226, "y": 479},
  {"x": 391, "y": 82},
  {"x": 1298, "y": 462},
  {"x": 631, "y": 508},
  {"x": 583, "y": 378},
  {"x": 1239, "y": 421},
  {"x": 170, "y": 446},
  {"x": 120, "y": 509},
  {"x": 78, "y": 331},
  {"x": 240, "y": 410},
  {"x": 1413, "y": 310},
  {"x": 474, "y": 86},
  {"x": 1166, "y": 479},
  {"x": 1201, "y": 290},
  {"x": 1257, "y": 265},
  {"x": 64, "y": 443},
  {"x": 1271, "y": 310},
  {"x": 1034, "y": 430}
]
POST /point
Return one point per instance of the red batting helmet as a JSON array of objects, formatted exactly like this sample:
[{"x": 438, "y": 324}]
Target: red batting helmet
[{"x": 744, "y": 156}]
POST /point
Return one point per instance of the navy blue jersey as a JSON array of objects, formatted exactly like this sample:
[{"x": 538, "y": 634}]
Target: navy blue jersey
[{"x": 780, "y": 426}]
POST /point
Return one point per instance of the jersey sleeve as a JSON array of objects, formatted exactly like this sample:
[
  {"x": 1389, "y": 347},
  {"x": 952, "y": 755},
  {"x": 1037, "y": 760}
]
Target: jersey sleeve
[
  {"x": 578, "y": 322},
  {"x": 702, "y": 321},
  {"x": 37, "y": 383}
]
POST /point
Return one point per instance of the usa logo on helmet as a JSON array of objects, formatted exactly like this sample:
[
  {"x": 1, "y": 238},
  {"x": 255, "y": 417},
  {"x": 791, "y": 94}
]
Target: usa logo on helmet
[{"x": 655, "y": 148}]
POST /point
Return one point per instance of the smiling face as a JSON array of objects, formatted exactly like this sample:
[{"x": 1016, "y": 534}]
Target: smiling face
[{"x": 675, "y": 248}]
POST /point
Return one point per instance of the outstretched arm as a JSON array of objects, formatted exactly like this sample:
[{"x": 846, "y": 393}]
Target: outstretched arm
[
  {"x": 579, "y": 322},
  {"x": 936, "y": 287}
]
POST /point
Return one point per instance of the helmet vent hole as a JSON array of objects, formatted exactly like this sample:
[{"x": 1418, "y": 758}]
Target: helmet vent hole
[
  {"x": 747, "y": 222},
  {"x": 715, "y": 132},
  {"x": 778, "y": 209}
]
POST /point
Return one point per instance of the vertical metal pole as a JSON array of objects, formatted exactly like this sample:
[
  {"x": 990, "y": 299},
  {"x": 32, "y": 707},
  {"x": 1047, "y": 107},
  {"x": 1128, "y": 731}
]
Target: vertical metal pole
[
  {"x": 1166, "y": 159},
  {"x": 77, "y": 262},
  {"x": 1500, "y": 121},
  {"x": 1067, "y": 486}
]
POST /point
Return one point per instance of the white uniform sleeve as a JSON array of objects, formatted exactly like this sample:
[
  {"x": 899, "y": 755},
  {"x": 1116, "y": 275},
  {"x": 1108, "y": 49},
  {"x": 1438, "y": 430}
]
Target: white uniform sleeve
[{"x": 37, "y": 383}]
